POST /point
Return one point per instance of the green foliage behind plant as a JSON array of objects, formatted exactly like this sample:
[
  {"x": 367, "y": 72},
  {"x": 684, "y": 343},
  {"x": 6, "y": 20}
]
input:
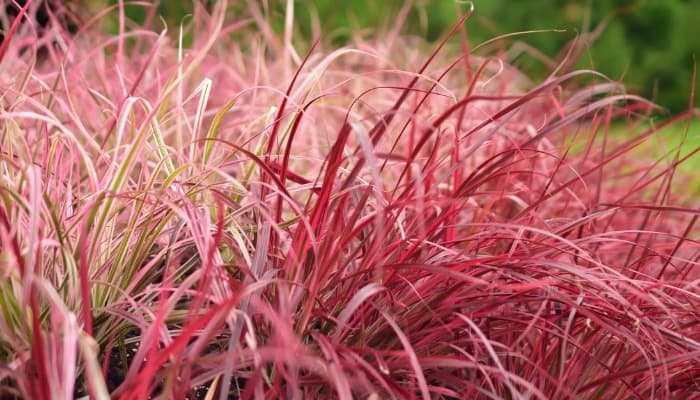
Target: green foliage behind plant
[{"x": 649, "y": 45}]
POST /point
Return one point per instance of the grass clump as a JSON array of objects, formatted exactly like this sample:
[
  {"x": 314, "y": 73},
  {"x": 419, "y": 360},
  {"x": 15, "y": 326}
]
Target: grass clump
[{"x": 237, "y": 219}]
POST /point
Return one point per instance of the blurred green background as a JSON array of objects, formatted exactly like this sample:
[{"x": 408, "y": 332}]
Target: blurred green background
[{"x": 650, "y": 45}]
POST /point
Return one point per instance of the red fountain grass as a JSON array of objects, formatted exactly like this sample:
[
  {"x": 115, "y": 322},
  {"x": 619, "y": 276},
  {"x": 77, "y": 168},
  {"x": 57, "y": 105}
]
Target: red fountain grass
[{"x": 237, "y": 220}]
